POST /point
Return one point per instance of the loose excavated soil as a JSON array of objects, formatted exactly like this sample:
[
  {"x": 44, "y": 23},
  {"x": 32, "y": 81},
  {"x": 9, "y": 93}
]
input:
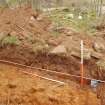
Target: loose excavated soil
[{"x": 23, "y": 22}]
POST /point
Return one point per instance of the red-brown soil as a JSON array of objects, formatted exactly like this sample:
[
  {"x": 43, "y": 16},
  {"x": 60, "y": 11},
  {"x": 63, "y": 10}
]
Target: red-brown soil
[{"x": 19, "y": 88}]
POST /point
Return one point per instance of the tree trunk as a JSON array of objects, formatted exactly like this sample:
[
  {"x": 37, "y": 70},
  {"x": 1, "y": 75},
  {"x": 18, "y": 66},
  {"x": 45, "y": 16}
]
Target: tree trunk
[
  {"x": 36, "y": 4},
  {"x": 3, "y": 3},
  {"x": 100, "y": 8},
  {"x": 59, "y": 3}
]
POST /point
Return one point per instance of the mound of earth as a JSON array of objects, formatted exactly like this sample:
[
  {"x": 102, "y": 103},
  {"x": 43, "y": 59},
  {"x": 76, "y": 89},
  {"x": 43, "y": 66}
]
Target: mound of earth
[
  {"x": 35, "y": 31},
  {"x": 24, "y": 23}
]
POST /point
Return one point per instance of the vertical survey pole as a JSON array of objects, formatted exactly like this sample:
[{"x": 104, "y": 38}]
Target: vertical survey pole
[{"x": 82, "y": 68}]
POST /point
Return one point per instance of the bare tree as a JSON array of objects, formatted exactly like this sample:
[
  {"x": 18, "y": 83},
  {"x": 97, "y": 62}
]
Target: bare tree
[
  {"x": 36, "y": 4},
  {"x": 59, "y": 3},
  {"x": 3, "y": 3},
  {"x": 100, "y": 7},
  {"x": 97, "y": 6}
]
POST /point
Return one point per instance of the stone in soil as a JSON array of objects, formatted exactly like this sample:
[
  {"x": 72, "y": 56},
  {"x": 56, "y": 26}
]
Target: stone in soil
[{"x": 59, "y": 50}]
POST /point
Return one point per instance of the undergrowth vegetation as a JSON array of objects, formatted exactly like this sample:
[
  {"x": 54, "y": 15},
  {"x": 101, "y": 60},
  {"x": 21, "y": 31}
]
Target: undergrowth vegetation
[
  {"x": 9, "y": 40},
  {"x": 85, "y": 21}
]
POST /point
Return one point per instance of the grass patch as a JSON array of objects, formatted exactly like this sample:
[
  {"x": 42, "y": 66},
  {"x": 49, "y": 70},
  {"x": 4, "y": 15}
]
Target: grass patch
[{"x": 10, "y": 40}]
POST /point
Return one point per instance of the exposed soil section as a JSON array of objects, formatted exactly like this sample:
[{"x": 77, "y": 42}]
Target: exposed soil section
[
  {"x": 65, "y": 64},
  {"x": 69, "y": 65}
]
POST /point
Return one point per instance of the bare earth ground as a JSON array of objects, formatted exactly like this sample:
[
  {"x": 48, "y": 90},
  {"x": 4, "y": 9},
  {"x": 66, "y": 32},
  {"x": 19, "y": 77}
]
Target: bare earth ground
[
  {"x": 33, "y": 30},
  {"x": 17, "y": 88}
]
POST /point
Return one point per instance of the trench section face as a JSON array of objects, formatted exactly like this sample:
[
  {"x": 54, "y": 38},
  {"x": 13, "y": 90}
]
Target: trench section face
[{"x": 70, "y": 65}]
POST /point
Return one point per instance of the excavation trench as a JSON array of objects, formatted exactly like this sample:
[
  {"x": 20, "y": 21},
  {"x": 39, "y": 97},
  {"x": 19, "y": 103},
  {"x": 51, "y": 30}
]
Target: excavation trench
[
  {"x": 63, "y": 64},
  {"x": 40, "y": 62}
]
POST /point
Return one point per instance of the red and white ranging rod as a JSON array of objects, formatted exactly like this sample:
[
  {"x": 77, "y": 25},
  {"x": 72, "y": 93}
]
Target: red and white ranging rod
[{"x": 82, "y": 63}]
